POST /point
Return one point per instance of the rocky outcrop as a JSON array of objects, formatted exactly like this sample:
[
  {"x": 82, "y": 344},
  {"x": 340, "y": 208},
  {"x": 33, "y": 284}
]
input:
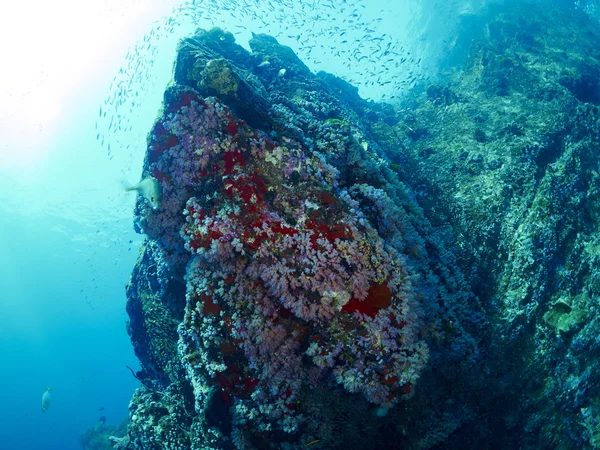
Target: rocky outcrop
[
  {"x": 504, "y": 148},
  {"x": 328, "y": 270},
  {"x": 313, "y": 281}
]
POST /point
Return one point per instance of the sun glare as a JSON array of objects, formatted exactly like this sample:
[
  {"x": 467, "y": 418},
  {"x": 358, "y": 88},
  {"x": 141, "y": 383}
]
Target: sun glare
[{"x": 60, "y": 54}]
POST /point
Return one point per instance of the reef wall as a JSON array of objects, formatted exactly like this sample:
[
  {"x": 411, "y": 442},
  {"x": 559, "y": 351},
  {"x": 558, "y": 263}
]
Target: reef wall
[
  {"x": 505, "y": 149},
  {"x": 328, "y": 271},
  {"x": 289, "y": 277}
]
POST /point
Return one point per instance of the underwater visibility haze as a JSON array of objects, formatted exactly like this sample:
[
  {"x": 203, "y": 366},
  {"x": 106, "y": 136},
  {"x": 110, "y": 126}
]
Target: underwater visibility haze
[{"x": 336, "y": 224}]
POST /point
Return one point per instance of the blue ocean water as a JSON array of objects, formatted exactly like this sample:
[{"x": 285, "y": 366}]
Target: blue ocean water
[
  {"x": 64, "y": 257},
  {"x": 54, "y": 334},
  {"x": 67, "y": 244}
]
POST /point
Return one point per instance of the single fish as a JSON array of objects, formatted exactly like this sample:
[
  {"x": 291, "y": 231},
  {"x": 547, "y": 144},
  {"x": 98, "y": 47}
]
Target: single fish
[
  {"x": 46, "y": 398},
  {"x": 149, "y": 188},
  {"x": 338, "y": 122},
  {"x": 281, "y": 73}
]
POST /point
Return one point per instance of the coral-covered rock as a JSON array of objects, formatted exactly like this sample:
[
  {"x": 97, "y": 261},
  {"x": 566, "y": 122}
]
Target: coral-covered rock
[
  {"x": 312, "y": 279},
  {"x": 314, "y": 272},
  {"x": 289, "y": 287}
]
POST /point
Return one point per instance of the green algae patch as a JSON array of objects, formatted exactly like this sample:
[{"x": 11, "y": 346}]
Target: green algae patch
[{"x": 563, "y": 317}]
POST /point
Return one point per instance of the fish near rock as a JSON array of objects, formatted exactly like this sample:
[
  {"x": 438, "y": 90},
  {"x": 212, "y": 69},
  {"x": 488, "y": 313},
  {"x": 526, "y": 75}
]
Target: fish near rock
[
  {"x": 150, "y": 189},
  {"x": 46, "y": 399}
]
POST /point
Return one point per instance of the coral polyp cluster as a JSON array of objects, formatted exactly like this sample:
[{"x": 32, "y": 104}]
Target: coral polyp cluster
[
  {"x": 289, "y": 287},
  {"x": 288, "y": 274},
  {"x": 328, "y": 271}
]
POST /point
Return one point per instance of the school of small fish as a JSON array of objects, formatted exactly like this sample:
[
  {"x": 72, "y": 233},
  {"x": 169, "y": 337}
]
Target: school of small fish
[
  {"x": 357, "y": 40},
  {"x": 352, "y": 34}
]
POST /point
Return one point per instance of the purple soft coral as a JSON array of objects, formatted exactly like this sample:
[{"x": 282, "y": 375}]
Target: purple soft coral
[{"x": 288, "y": 287}]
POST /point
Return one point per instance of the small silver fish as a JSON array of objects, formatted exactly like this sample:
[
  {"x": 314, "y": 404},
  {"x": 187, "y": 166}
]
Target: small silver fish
[
  {"x": 46, "y": 398},
  {"x": 265, "y": 63},
  {"x": 281, "y": 73},
  {"x": 149, "y": 188}
]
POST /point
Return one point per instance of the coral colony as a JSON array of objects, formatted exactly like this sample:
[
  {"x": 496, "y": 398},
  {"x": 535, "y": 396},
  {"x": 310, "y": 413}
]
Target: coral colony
[
  {"x": 321, "y": 271},
  {"x": 289, "y": 286},
  {"x": 288, "y": 274}
]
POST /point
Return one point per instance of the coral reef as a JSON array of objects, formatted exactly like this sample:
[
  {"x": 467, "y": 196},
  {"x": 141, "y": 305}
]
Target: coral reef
[
  {"x": 308, "y": 266},
  {"x": 104, "y": 436},
  {"x": 504, "y": 147},
  {"x": 328, "y": 270}
]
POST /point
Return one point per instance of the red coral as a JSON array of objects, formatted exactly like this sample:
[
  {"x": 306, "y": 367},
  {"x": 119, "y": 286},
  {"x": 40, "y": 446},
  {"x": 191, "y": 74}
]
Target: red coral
[
  {"x": 209, "y": 307},
  {"x": 329, "y": 232},
  {"x": 184, "y": 98},
  {"x": 231, "y": 159},
  {"x": 231, "y": 128},
  {"x": 378, "y": 297}
]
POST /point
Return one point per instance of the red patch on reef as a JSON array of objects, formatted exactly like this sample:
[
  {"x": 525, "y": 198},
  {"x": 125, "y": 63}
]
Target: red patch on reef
[
  {"x": 390, "y": 381},
  {"x": 406, "y": 389},
  {"x": 267, "y": 228},
  {"x": 209, "y": 308},
  {"x": 232, "y": 384},
  {"x": 162, "y": 141},
  {"x": 378, "y": 297},
  {"x": 183, "y": 98},
  {"x": 250, "y": 384},
  {"x": 250, "y": 189},
  {"x": 326, "y": 198},
  {"x": 282, "y": 229},
  {"x": 171, "y": 141},
  {"x": 231, "y": 128},
  {"x": 224, "y": 382},
  {"x": 159, "y": 130},
  {"x": 285, "y": 396},
  {"x": 158, "y": 175},
  {"x": 231, "y": 159},
  {"x": 331, "y": 233},
  {"x": 228, "y": 348},
  {"x": 199, "y": 240},
  {"x": 191, "y": 211},
  {"x": 157, "y": 147},
  {"x": 187, "y": 97},
  {"x": 283, "y": 313}
]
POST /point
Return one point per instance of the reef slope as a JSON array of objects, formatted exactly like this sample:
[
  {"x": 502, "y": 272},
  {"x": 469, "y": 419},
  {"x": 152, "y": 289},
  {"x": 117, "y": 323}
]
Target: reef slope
[
  {"x": 330, "y": 271},
  {"x": 290, "y": 289}
]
